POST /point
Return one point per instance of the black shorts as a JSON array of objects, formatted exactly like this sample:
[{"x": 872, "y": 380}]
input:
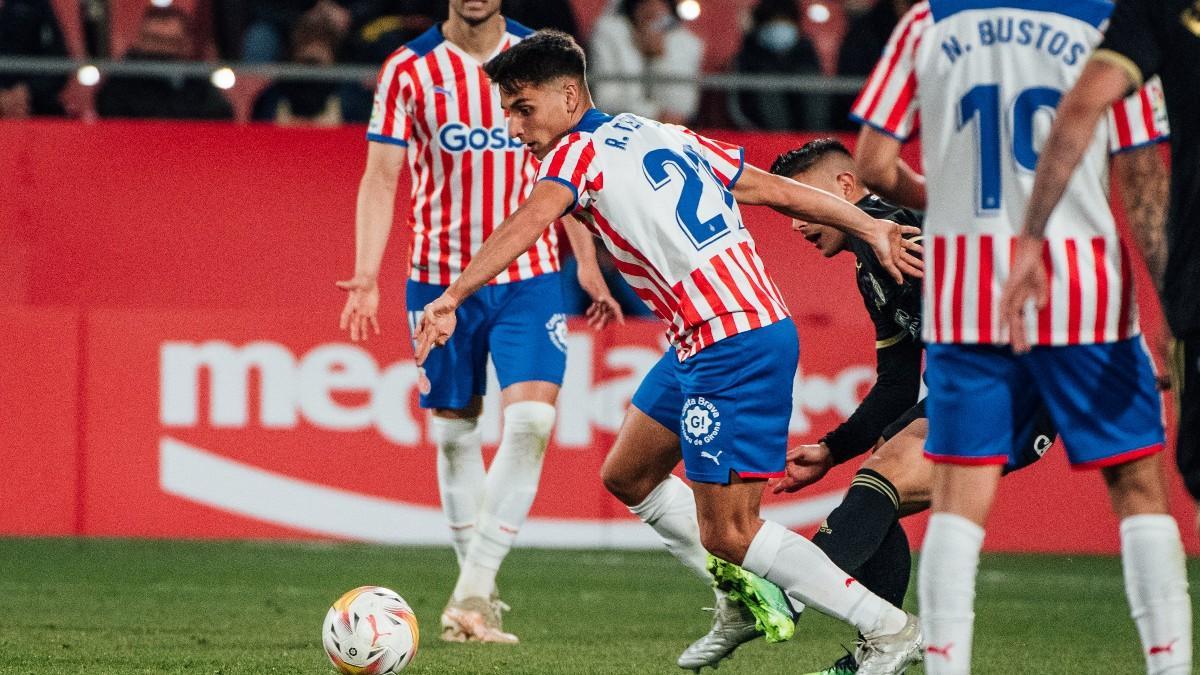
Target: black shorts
[
  {"x": 1185, "y": 380},
  {"x": 1032, "y": 448}
]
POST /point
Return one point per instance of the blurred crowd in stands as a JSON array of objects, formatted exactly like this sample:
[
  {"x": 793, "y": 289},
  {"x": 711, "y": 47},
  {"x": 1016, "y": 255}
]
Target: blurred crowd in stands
[{"x": 647, "y": 45}]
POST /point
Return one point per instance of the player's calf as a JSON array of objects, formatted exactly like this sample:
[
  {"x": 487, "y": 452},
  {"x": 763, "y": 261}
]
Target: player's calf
[{"x": 1153, "y": 563}]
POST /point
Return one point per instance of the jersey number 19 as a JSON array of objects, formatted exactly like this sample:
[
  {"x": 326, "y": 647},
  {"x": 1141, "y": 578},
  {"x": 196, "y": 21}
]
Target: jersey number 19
[{"x": 984, "y": 101}]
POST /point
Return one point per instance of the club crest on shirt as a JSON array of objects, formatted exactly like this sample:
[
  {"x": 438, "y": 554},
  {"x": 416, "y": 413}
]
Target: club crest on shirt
[
  {"x": 556, "y": 328},
  {"x": 701, "y": 421}
]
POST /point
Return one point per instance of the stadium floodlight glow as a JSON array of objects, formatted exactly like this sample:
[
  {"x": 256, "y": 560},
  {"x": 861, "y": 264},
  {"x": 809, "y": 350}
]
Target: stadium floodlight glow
[
  {"x": 223, "y": 78},
  {"x": 689, "y": 10},
  {"x": 818, "y": 13},
  {"x": 88, "y": 76}
]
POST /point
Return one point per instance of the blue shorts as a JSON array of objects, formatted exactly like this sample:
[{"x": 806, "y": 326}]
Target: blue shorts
[
  {"x": 521, "y": 324},
  {"x": 730, "y": 403},
  {"x": 1102, "y": 399}
]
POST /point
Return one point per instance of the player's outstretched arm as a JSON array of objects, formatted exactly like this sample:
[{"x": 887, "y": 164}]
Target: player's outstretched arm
[
  {"x": 516, "y": 235},
  {"x": 795, "y": 200},
  {"x": 877, "y": 157},
  {"x": 1100, "y": 85},
  {"x": 372, "y": 225}
]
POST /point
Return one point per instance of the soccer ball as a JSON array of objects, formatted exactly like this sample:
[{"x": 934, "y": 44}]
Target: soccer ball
[{"x": 370, "y": 630}]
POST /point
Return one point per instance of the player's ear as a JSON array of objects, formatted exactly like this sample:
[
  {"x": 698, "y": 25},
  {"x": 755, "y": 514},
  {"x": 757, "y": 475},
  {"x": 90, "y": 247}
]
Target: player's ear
[
  {"x": 570, "y": 94},
  {"x": 848, "y": 182}
]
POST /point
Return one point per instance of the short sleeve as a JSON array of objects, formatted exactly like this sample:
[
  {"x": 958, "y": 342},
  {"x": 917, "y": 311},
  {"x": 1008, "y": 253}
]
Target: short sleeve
[
  {"x": 390, "y": 120},
  {"x": 1138, "y": 120},
  {"x": 726, "y": 159},
  {"x": 1131, "y": 40},
  {"x": 888, "y": 101},
  {"x": 572, "y": 164}
]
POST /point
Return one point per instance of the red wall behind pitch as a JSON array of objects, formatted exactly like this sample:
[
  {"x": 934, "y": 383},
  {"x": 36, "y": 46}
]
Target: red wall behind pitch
[{"x": 120, "y": 238}]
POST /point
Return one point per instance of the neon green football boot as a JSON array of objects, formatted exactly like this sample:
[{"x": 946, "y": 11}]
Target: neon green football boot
[{"x": 771, "y": 609}]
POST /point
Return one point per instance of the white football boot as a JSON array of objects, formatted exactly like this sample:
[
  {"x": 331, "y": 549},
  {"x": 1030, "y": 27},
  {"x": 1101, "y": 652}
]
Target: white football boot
[
  {"x": 733, "y": 625},
  {"x": 891, "y": 654}
]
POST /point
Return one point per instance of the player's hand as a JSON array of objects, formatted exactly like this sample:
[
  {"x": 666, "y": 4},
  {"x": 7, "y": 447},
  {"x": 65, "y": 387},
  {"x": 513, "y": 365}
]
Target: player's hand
[
  {"x": 437, "y": 325},
  {"x": 604, "y": 308},
  {"x": 899, "y": 256},
  {"x": 1027, "y": 283},
  {"x": 362, "y": 306},
  {"x": 806, "y": 464}
]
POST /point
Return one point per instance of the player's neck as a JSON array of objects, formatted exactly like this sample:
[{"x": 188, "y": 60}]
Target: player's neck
[
  {"x": 585, "y": 104},
  {"x": 479, "y": 40}
]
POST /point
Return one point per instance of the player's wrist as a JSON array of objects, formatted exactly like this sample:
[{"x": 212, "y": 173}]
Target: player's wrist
[{"x": 453, "y": 296}]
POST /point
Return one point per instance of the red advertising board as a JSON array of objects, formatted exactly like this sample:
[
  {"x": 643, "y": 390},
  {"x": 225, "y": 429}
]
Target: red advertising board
[{"x": 173, "y": 367}]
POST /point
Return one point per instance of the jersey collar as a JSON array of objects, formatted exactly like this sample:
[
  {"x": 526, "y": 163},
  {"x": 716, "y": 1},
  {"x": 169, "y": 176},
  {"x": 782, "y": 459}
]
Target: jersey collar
[{"x": 591, "y": 120}]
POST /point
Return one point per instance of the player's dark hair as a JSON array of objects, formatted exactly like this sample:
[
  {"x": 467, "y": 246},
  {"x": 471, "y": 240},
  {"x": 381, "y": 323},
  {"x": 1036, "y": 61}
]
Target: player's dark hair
[
  {"x": 804, "y": 157},
  {"x": 540, "y": 58}
]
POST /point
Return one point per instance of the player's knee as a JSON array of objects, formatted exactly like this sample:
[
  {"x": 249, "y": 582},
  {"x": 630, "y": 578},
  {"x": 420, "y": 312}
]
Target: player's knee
[
  {"x": 906, "y": 468},
  {"x": 725, "y": 540},
  {"x": 628, "y": 487},
  {"x": 529, "y": 418}
]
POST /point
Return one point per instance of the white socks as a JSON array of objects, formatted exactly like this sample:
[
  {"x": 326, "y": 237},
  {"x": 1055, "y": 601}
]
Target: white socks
[
  {"x": 460, "y": 477},
  {"x": 670, "y": 509},
  {"x": 509, "y": 490},
  {"x": 1156, "y": 585},
  {"x": 805, "y": 573},
  {"x": 946, "y": 588}
]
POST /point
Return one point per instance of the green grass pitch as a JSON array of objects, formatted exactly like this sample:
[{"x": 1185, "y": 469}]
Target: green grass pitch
[{"x": 116, "y": 606}]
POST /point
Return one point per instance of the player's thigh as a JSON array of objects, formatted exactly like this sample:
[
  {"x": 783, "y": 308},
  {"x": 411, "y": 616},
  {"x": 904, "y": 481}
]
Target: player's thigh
[
  {"x": 647, "y": 445},
  {"x": 737, "y": 405},
  {"x": 1136, "y": 487},
  {"x": 901, "y": 460},
  {"x": 1185, "y": 378},
  {"x": 979, "y": 397},
  {"x": 454, "y": 376},
  {"x": 527, "y": 335},
  {"x": 1103, "y": 399},
  {"x": 530, "y": 390}
]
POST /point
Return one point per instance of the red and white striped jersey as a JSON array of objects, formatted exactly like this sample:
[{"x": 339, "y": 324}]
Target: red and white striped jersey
[
  {"x": 982, "y": 79},
  {"x": 467, "y": 173},
  {"x": 659, "y": 198}
]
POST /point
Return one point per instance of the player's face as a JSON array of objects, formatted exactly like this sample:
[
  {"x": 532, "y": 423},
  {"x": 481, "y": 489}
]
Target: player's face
[
  {"x": 830, "y": 241},
  {"x": 475, "y": 11},
  {"x": 538, "y": 116}
]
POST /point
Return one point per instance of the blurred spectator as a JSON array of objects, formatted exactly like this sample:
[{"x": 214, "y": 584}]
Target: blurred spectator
[
  {"x": 262, "y": 27},
  {"x": 164, "y": 35},
  {"x": 640, "y": 40},
  {"x": 380, "y": 28},
  {"x": 314, "y": 42},
  {"x": 30, "y": 28},
  {"x": 539, "y": 14},
  {"x": 870, "y": 28},
  {"x": 775, "y": 44}
]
